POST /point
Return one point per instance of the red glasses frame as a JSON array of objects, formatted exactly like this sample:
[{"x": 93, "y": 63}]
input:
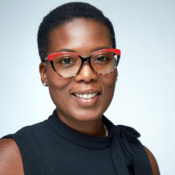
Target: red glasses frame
[{"x": 53, "y": 55}]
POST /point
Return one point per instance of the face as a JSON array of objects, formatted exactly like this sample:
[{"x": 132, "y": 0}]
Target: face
[{"x": 81, "y": 36}]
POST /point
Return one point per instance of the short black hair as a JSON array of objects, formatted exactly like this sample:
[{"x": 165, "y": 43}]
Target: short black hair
[{"x": 66, "y": 13}]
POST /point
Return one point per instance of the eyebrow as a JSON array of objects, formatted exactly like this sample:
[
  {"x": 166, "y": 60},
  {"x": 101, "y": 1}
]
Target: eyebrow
[
  {"x": 93, "y": 50},
  {"x": 100, "y": 48},
  {"x": 66, "y": 50}
]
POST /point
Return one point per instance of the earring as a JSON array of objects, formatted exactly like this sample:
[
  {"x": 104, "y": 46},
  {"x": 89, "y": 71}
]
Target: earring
[
  {"x": 116, "y": 79},
  {"x": 44, "y": 84}
]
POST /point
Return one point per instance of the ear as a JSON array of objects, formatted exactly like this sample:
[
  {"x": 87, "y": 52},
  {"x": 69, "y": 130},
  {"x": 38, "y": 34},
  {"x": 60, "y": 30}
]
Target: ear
[{"x": 42, "y": 70}]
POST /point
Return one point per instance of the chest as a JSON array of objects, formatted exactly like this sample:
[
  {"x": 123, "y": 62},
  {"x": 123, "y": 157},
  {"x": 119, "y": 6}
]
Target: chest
[{"x": 63, "y": 157}]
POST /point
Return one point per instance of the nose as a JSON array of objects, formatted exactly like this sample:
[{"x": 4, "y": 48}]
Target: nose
[{"x": 86, "y": 74}]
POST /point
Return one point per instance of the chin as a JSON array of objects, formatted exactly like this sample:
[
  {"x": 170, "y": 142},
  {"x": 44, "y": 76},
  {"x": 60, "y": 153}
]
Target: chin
[{"x": 87, "y": 115}]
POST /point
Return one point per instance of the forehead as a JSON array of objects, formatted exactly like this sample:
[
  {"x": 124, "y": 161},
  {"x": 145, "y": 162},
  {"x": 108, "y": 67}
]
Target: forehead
[{"x": 79, "y": 35}]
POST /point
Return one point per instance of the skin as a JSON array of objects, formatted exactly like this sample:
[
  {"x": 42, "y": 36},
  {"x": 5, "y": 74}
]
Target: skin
[{"x": 81, "y": 36}]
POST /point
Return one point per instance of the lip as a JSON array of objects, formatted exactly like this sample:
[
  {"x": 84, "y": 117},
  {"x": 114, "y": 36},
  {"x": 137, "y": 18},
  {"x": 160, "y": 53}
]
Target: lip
[
  {"x": 86, "y": 102},
  {"x": 85, "y": 91}
]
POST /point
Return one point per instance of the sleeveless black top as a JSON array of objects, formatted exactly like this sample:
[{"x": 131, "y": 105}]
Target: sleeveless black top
[{"x": 53, "y": 148}]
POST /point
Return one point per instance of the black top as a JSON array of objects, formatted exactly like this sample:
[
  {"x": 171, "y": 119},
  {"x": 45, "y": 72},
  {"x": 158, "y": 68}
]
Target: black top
[{"x": 53, "y": 148}]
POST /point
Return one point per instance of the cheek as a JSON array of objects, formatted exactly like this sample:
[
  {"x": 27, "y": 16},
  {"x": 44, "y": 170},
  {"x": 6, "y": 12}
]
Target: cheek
[
  {"x": 110, "y": 80},
  {"x": 109, "y": 85},
  {"x": 58, "y": 86}
]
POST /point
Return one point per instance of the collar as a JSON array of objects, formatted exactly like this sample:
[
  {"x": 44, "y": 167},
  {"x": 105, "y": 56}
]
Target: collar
[{"x": 119, "y": 140}]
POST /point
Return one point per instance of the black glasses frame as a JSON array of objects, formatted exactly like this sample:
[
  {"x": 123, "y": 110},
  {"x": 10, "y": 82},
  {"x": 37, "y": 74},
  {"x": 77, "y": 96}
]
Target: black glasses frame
[{"x": 116, "y": 51}]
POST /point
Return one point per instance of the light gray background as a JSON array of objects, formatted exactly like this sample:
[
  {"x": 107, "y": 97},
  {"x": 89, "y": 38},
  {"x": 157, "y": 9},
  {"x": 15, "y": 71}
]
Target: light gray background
[{"x": 144, "y": 96}]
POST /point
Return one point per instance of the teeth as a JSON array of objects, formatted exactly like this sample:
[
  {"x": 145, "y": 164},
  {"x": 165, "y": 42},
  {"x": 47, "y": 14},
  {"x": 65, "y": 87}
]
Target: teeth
[{"x": 86, "y": 96}]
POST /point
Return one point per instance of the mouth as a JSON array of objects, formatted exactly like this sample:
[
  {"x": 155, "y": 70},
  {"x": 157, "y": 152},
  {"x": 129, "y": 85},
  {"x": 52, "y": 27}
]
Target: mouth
[{"x": 86, "y": 96}]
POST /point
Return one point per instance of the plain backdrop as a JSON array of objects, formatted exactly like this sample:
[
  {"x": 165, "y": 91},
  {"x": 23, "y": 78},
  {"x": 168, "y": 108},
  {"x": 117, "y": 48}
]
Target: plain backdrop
[{"x": 144, "y": 95}]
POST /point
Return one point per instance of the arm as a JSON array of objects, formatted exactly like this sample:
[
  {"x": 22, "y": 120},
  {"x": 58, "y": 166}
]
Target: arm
[
  {"x": 154, "y": 166},
  {"x": 10, "y": 158}
]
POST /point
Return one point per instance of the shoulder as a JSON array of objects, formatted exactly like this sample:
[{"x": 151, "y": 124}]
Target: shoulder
[
  {"x": 140, "y": 151},
  {"x": 28, "y": 133},
  {"x": 13, "y": 148},
  {"x": 10, "y": 158},
  {"x": 153, "y": 162},
  {"x": 27, "y": 138},
  {"x": 34, "y": 128}
]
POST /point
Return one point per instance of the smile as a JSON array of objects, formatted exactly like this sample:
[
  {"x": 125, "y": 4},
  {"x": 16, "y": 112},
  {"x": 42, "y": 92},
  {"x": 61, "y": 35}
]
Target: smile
[{"x": 86, "y": 96}]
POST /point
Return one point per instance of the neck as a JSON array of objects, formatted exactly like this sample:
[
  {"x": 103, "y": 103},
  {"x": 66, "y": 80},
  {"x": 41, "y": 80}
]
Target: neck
[{"x": 93, "y": 128}]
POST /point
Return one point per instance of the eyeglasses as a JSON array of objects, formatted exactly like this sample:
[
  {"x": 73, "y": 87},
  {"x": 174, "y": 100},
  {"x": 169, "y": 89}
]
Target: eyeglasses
[{"x": 67, "y": 64}]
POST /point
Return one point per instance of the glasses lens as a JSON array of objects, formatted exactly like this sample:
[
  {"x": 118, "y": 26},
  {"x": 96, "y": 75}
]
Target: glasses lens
[
  {"x": 104, "y": 62},
  {"x": 66, "y": 64}
]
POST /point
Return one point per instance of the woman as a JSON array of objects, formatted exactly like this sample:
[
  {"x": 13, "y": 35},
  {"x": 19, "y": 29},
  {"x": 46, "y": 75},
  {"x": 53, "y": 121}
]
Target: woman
[{"x": 78, "y": 64}]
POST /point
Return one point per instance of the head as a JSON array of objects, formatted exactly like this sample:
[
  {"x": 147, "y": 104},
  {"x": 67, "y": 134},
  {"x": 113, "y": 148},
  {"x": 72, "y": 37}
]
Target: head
[
  {"x": 64, "y": 14},
  {"x": 81, "y": 29}
]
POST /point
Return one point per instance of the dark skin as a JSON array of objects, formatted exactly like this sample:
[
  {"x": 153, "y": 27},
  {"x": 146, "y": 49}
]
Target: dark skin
[{"x": 82, "y": 36}]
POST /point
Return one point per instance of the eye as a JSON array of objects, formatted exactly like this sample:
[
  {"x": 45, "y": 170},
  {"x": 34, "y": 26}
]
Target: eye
[
  {"x": 102, "y": 58},
  {"x": 67, "y": 61}
]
